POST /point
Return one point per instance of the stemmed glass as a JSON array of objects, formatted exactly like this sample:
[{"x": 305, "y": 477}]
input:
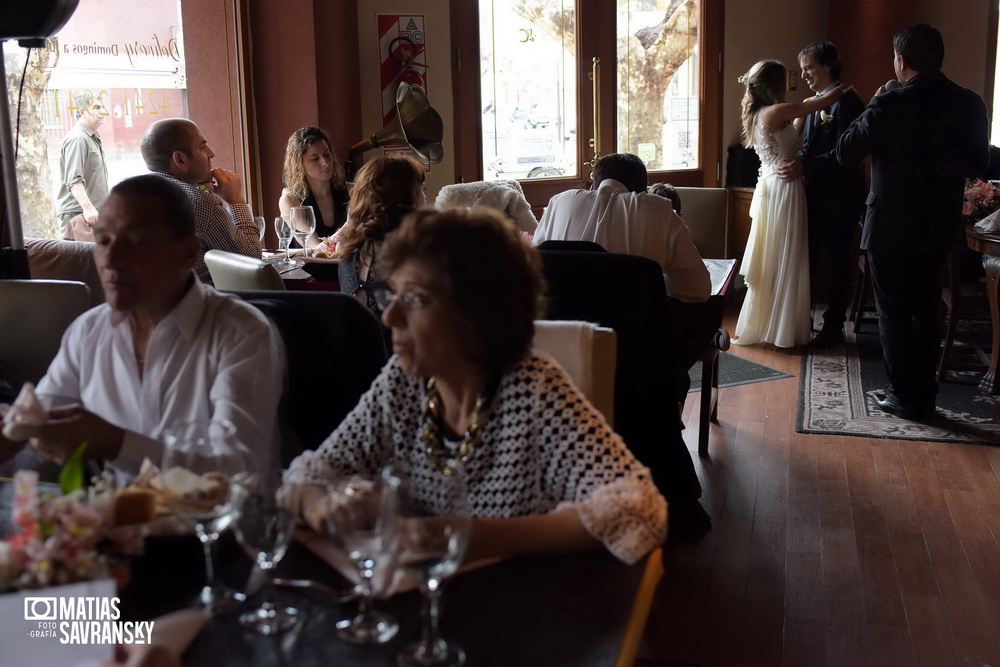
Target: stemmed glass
[
  {"x": 361, "y": 521},
  {"x": 202, "y": 472},
  {"x": 303, "y": 225},
  {"x": 283, "y": 229},
  {"x": 432, "y": 536},
  {"x": 261, "y": 226},
  {"x": 264, "y": 529}
]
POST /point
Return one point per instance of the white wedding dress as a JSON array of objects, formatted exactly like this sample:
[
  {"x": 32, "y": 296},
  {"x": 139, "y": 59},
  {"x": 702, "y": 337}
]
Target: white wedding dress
[{"x": 776, "y": 263}]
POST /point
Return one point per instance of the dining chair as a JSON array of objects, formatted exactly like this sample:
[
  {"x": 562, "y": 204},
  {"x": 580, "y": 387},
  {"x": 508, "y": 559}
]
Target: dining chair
[
  {"x": 587, "y": 353},
  {"x": 35, "y": 314},
  {"x": 963, "y": 301},
  {"x": 706, "y": 215},
  {"x": 626, "y": 293},
  {"x": 231, "y": 271},
  {"x": 334, "y": 348}
]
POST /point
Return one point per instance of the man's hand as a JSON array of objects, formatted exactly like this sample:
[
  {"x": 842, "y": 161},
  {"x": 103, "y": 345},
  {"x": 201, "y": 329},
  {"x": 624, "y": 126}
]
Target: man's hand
[
  {"x": 69, "y": 427},
  {"x": 90, "y": 215},
  {"x": 790, "y": 170},
  {"x": 228, "y": 186}
]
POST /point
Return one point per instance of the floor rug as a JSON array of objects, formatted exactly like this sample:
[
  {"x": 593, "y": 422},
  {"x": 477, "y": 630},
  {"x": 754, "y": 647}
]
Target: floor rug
[
  {"x": 836, "y": 396},
  {"x": 735, "y": 370}
]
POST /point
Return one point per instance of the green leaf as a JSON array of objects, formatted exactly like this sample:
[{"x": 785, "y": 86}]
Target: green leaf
[{"x": 71, "y": 475}]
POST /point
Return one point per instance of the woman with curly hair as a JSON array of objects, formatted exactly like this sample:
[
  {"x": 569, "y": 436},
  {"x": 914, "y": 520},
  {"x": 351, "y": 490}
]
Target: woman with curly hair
[
  {"x": 545, "y": 472},
  {"x": 384, "y": 191},
  {"x": 776, "y": 262},
  {"x": 314, "y": 177}
]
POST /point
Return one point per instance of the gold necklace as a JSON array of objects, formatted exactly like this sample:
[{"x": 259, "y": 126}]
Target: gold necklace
[{"x": 436, "y": 450}]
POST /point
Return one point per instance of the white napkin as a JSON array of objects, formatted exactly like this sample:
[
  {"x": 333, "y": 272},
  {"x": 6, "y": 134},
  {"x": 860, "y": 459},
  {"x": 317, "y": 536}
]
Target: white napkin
[
  {"x": 24, "y": 413},
  {"x": 989, "y": 224}
]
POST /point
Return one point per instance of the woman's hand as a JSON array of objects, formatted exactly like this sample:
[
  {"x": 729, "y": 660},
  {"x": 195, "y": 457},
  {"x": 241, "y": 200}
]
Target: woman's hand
[{"x": 312, "y": 503}]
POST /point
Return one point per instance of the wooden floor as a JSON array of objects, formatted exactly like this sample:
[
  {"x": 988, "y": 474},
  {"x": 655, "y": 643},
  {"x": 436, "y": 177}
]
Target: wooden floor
[{"x": 830, "y": 550}]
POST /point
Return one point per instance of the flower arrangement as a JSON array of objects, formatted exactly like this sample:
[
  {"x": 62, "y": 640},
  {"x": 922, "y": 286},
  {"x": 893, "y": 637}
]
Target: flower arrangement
[
  {"x": 59, "y": 539},
  {"x": 981, "y": 199}
]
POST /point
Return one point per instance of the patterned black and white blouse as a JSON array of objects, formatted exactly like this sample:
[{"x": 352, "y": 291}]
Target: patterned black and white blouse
[{"x": 543, "y": 448}]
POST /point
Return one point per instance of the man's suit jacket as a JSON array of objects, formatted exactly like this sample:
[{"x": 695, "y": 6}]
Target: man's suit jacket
[
  {"x": 835, "y": 192},
  {"x": 925, "y": 137}
]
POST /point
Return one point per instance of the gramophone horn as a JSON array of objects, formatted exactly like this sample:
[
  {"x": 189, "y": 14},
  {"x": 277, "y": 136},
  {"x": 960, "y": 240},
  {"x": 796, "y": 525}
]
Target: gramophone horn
[{"x": 416, "y": 124}]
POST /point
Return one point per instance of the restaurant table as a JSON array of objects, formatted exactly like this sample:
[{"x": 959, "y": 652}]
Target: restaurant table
[
  {"x": 989, "y": 246},
  {"x": 573, "y": 610},
  {"x": 567, "y": 610}
]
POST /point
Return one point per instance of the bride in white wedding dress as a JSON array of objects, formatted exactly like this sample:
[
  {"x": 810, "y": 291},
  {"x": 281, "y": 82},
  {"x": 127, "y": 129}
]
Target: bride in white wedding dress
[{"x": 776, "y": 263}]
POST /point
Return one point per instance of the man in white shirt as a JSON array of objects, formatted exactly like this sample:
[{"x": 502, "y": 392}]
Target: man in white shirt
[
  {"x": 164, "y": 350},
  {"x": 175, "y": 149},
  {"x": 622, "y": 217}
]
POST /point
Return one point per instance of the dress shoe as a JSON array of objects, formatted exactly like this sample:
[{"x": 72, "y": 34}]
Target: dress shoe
[
  {"x": 827, "y": 338},
  {"x": 891, "y": 404}
]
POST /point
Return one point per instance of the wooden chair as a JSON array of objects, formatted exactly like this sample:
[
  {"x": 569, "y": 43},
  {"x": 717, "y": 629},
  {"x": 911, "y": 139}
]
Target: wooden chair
[
  {"x": 590, "y": 364},
  {"x": 231, "y": 271},
  {"x": 35, "y": 314},
  {"x": 961, "y": 301},
  {"x": 334, "y": 347}
]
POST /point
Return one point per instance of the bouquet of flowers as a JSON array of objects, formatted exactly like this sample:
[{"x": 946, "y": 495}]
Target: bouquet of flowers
[
  {"x": 981, "y": 199},
  {"x": 59, "y": 539}
]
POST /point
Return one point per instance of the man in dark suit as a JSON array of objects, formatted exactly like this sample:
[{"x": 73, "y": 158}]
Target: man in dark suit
[
  {"x": 835, "y": 193},
  {"x": 924, "y": 137}
]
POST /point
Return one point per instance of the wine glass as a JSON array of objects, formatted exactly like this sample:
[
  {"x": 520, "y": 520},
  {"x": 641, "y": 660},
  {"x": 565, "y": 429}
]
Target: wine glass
[
  {"x": 283, "y": 229},
  {"x": 432, "y": 536},
  {"x": 303, "y": 225},
  {"x": 202, "y": 473},
  {"x": 361, "y": 520},
  {"x": 261, "y": 226},
  {"x": 264, "y": 529}
]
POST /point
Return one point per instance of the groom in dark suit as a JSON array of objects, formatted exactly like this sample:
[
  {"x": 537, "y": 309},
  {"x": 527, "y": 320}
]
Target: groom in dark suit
[
  {"x": 924, "y": 137},
  {"x": 835, "y": 193}
]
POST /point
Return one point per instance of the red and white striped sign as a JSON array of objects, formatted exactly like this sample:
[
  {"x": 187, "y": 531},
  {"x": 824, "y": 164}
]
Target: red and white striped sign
[{"x": 401, "y": 39}]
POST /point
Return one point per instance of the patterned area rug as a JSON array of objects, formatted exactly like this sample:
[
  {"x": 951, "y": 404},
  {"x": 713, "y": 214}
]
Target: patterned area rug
[
  {"x": 735, "y": 370},
  {"x": 836, "y": 393}
]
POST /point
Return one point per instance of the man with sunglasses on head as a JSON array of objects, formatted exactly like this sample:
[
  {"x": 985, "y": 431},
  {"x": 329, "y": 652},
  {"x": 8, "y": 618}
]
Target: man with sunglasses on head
[{"x": 83, "y": 182}]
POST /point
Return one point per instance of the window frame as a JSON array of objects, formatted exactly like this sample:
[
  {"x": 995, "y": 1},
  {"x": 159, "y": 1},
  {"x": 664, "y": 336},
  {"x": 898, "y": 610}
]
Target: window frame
[{"x": 596, "y": 36}]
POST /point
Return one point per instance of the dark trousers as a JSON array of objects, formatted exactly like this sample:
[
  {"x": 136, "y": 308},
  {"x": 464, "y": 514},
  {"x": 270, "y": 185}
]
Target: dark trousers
[
  {"x": 830, "y": 260},
  {"x": 908, "y": 295}
]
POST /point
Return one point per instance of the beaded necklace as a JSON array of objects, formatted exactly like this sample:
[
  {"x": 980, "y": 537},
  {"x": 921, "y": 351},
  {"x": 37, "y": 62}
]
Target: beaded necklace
[{"x": 431, "y": 416}]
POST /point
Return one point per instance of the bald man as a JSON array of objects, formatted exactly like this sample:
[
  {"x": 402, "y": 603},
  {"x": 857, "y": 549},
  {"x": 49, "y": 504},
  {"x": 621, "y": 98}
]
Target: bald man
[{"x": 176, "y": 149}]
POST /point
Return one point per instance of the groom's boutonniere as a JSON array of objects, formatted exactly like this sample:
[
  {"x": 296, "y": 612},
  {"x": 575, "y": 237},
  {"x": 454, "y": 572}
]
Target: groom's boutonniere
[{"x": 825, "y": 117}]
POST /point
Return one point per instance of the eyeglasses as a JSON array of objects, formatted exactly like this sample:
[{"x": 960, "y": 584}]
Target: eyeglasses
[{"x": 409, "y": 301}]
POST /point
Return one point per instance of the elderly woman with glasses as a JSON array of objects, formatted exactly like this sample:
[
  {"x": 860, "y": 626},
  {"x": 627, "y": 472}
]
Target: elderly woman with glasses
[{"x": 545, "y": 472}]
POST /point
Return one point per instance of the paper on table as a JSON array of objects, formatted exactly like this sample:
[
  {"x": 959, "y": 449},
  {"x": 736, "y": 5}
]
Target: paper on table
[
  {"x": 388, "y": 581},
  {"x": 989, "y": 224}
]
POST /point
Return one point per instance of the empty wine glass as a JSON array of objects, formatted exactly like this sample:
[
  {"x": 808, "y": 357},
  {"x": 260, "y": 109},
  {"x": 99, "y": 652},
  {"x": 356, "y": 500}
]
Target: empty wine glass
[
  {"x": 264, "y": 529},
  {"x": 202, "y": 472},
  {"x": 261, "y": 226},
  {"x": 303, "y": 220},
  {"x": 361, "y": 521},
  {"x": 432, "y": 536},
  {"x": 283, "y": 229}
]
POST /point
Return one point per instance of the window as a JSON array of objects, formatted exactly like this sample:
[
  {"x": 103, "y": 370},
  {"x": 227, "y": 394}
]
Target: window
[{"x": 551, "y": 80}]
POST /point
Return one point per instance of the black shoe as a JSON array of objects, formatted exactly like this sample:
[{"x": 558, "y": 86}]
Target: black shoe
[
  {"x": 828, "y": 337},
  {"x": 891, "y": 404}
]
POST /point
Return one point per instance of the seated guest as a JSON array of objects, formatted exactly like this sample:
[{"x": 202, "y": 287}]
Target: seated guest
[
  {"x": 164, "y": 350},
  {"x": 384, "y": 191},
  {"x": 667, "y": 191},
  {"x": 175, "y": 149},
  {"x": 314, "y": 177},
  {"x": 545, "y": 472},
  {"x": 622, "y": 217}
]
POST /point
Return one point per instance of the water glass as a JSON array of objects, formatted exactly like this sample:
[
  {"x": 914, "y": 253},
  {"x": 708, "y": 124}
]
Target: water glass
[{"x": 303, "y": 220}]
